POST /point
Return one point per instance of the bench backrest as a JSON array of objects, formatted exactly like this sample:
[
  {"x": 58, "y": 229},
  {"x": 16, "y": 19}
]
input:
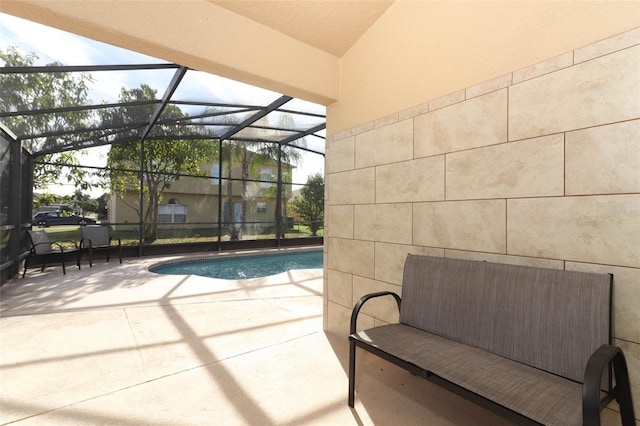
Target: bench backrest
[
  {"x": 549, "y": 319},
  {"x": 40, "y": 241},
  {"x": 96, "y": 235}
]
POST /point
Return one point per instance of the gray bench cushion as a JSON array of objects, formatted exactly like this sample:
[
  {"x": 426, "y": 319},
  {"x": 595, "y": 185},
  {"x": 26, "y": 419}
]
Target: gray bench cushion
[
  {"x": 541, "y": 396},
  {"x": 546, "y": 318}
]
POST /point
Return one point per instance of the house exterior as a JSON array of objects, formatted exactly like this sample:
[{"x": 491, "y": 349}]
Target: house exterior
[
  {"x": 194, "y": 202},
  {"x": 503, "y": 131}
]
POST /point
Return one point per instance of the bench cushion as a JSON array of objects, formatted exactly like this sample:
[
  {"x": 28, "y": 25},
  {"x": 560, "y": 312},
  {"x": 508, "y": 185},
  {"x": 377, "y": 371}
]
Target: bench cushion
[
  {"x": 546, "y": 318},
  {"x": 541, "y": 396}
]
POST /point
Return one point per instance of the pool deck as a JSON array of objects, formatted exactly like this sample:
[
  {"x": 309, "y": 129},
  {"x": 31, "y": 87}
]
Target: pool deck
[{"x": 116, "y": 344}]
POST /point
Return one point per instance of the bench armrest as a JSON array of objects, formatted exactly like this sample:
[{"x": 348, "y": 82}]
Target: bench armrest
[
  {"x": 604, "y": 357},
  {"x": 365, "y": 298}
]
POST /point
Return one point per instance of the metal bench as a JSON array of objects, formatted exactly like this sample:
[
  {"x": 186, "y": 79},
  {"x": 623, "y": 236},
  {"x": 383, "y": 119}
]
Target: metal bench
[
  {"x": 531, "y": 344},
  {"x": 44, "y": 249}
]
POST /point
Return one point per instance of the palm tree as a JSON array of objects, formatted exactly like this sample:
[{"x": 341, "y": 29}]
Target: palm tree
[{"x": 253, "y": 153}]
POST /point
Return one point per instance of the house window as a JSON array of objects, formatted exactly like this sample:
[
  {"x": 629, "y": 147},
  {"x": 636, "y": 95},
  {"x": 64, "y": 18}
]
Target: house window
[
  {"x": 266, "y": 175},
  {"x": 172, "y": 212},
  {"x": 262, "y": 207},
  {"x": 215, "y": 174}
]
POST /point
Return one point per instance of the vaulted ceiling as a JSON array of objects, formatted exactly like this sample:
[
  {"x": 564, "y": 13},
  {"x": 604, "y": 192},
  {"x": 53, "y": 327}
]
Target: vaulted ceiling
[{"x": 330, "y": 25}]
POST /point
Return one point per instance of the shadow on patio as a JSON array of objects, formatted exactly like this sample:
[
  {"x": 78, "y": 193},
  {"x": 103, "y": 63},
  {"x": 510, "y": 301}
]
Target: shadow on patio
[{"x": 116, "y": 344}]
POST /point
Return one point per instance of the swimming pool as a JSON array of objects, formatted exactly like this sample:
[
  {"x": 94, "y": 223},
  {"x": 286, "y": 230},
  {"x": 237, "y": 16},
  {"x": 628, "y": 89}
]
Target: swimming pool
[{"x": 243, "y": 267}]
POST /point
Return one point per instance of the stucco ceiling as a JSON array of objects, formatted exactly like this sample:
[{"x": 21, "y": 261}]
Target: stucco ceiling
[{"x": 330, "y": 25}]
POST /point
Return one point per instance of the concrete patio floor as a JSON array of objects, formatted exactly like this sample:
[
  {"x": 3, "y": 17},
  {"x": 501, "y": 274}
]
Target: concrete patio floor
[{"x": 117, "y": 344}]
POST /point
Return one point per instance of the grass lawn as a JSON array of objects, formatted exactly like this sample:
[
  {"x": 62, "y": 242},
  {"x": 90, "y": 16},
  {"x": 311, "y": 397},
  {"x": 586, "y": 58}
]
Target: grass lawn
[{"x": 72, "y": 232}]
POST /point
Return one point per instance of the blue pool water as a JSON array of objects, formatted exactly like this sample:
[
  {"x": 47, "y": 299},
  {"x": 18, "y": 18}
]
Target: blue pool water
[{"x": 243, "y": 267}]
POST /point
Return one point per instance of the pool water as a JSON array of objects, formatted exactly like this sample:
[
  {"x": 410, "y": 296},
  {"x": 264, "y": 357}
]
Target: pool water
[{"x": 243, "y": 267}]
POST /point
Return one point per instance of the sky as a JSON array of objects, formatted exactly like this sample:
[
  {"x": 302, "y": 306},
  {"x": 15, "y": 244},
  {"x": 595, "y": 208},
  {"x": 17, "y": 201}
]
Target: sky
[{"x": 51, "y": 44}]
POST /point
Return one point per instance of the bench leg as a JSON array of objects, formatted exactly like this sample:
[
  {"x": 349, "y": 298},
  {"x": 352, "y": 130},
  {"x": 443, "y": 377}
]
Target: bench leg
[
  {"x": 604, "y": 357},
  {"x": 352, "y": 372},
  {"x": 26, "y": 262},
  {"x": 623, "y": 390}
]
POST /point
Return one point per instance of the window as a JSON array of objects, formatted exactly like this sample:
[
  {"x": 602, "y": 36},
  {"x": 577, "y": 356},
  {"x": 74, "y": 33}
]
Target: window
[
  {"x": 215, "y": 173},
  {"x": 172, "y": 212},
  {"x": 266, "y": 175},
  {"x": 262, "y": 207}
]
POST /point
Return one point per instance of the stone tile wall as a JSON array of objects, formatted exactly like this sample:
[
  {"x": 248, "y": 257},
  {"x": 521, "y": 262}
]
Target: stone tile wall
[{"x": 537, "y": 167}]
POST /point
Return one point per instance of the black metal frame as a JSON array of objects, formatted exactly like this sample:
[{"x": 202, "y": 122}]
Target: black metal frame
[
  {"x": 201, "y": 126},
  {"x": 147, "y": 127},
  {"x": 603, "y": 359}
]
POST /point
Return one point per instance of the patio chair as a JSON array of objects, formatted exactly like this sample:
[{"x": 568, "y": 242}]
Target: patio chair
[
  {"x": 44, "y": 249},
  {"x": 96, "y": 237}
]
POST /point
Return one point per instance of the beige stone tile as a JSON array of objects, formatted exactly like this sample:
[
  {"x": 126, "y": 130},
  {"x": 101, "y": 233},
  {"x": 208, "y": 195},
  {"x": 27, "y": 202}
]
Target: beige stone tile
[
  {"x": 390, "y": 223},
  {"x": 544, "y": 67},
  {"x": 530, "y": 168},
  {"x": 413, "y": 111},
  {"x": 340, "y": 155},
  {"x": 610, "y": 416},
  {"x": 411, "y": 181},
  {"x": 365, "y": 127},
  {"x": 173, "y": 338},
  {"x": 604, "y": 160},
  {"x": 384, "y": 308},
  {"x": 610, "y": 45},
  {"x": 509, "y": 260},
  {"x": 351, "y": 256},
  {"x": 354, "y": 187},
  {"x": 339, "y": 318},
  {"x": 601, "y": 91},
  {"x": 390, "y": 259},
  {"x": 384, "y": 145},
  {"x": 378, "y": 322},
  {"x": 54, "y": 360},
  {"x": 338, "y": 221},
  {"x": 385, "y": 121},
  {"x": 626, "y": 298},
  {"x": 341, "y": 135},
  {"x": 447, "y": 100},
  {"x": 474, "y": 123},
  {"x": 463, "y": 225},
  {"x": 597, "y": 229},
  {"x": 489, "y": 86},
  {"x": 340, "y": 287}
]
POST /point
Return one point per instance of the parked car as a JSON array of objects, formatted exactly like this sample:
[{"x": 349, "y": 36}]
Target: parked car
[{"x": 44, "y": 219}]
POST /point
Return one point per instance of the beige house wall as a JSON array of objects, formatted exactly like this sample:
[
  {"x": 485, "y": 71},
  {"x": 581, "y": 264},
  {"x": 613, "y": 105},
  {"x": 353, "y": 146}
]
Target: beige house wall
[
  {"x": 200, "y": 196},
  {"x": 422, "y": 50},
  {"x": 539, "y": 166}
]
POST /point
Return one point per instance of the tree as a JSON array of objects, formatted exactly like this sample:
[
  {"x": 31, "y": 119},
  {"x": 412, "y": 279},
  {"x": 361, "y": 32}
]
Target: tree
[
  {"x": 165, "y": 157},
  {"x": 34, "y": 91},
  {"x": 309, "y": 205},
  {"x": 252, "y": 154},
  {"x": 284, "y": 154},
  {"x": 102, "y": 203},
  {"x": 83, "y": 203}
]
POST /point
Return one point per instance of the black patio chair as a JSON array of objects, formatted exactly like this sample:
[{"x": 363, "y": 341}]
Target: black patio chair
[
  {"x": 44, "y": 249},
  {"x": 96, "y": 237}
]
